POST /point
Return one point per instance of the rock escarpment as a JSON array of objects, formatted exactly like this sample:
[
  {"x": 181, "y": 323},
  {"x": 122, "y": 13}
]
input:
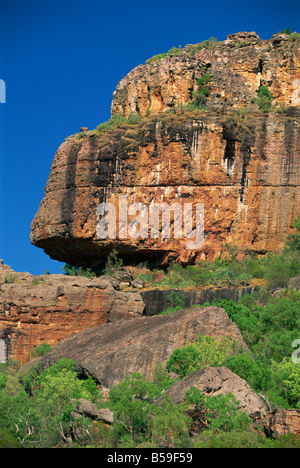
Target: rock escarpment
[
  {"x": 48, "y": 308},
  {"x": 241, "y": 164}
]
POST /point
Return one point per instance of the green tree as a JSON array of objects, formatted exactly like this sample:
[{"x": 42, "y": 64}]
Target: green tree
[
  {"x": 284, "y": 386},
  {"x": 113, "y": 263},
  {"x": 256, "y": 373},
  {"x": 130, "y": 403},
  {"x": 206, "y": 351},
  {"x": 203, "y": 91},
  {"x": 221, "y": 411},
  {"x": 169, "y": 425}
]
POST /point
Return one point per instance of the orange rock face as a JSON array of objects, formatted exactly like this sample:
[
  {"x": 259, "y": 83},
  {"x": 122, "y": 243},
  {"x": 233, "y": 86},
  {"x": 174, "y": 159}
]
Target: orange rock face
[
  {"x": 242, "y": 168},
  {"x": 47, "y": 309}
]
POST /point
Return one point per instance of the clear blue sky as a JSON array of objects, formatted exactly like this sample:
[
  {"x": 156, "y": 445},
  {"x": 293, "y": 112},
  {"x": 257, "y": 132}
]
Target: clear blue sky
[{"x": 61, "y": 61}]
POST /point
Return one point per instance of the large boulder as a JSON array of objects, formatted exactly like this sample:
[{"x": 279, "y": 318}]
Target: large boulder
[
  {"x": 116, "y": 349},
  {"x": 214, "y": 381}
]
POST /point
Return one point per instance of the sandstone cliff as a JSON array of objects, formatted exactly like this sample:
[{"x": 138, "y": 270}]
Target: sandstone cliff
[{"x": 240, "y": 163}]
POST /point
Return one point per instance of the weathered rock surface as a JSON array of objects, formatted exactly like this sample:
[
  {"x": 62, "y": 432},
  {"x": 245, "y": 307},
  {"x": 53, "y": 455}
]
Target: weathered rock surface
[
  {"x": 244, "y": 168},
  {"x": 238, "y": 67},
  {"x": 48, "y": 308},
  {"x": 88, "y": 409},
  {"x": 214, "y": 381},
  {"x": 156, "y": 300},
  {"x": 114, "y": 350},
  {"x": 279, "y": 421}
]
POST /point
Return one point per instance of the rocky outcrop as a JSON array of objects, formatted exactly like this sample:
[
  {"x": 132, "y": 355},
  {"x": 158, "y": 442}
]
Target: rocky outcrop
[
  {"x": 88, "y": 409},
  {"x": 279, "y": 421},
  {"x": 237, "y": 66},
  {"x": 240, "y": 163},
  {"x": 110, "y": 352},
  {"x": 214, "y": 381},
  {"x": 48, "y": 308}
]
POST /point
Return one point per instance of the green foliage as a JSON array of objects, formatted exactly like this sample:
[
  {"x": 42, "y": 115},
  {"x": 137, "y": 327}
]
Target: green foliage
[
  {"x": 7, "y": 440},
  {"x": 156, "y": 58},
  {"x": 234, "y": 439},
  {"x": 210, "y": 43},
  {"x": 35, "y": 408},
  {"x": 293, "y": 240},
  {"x": 203, "y": 91},
  {"x": 264, "y": 99},
  {"x": 133, "y": 119},
  {"x": 132, "y": 404},
  {"x": 284, "y": 387},
  {"x": 118, "y": 120},
  {"x": 269, "y": 331},
  {"x": 169, "y": 425},
  {"x": 256, "y": 374},
  {"x": 221, "y": 411},
  {"x": 206, "y": 351},
  {"x": 71, "y": 270},
  {"x": 176, "y": 301},
  {"x": 41, "y": 350},
  {"x": 293, "y": 37},
  {"x": 285, "y": 31},
  {"x": 113, "y": 263},
  {"x": 11, "y": 278},
  {"x": 176, "y": 51},
  {"x": 191, "y": 49}
]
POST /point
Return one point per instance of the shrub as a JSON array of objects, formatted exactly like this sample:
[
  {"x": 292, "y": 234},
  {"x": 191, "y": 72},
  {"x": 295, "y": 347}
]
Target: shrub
[
  {"x": 234, "y": 439},
  {"x": 206, "y": 351},
  {"x": 72, "y": 270},
  {"x": 264, "y": 99},
  {"x": 203, "y": 91},
  {"x": 169, "y": 425},
  {"x": 41, "y": 350},
  {"x": 294, "y": 37},
  {"x": 11, "y": 278},
  {"x": 113, "y": 263},
  {"x": 133, "y": 119},
  {"x": 7, "y": 440},
  {"x": 156, "y": 58},
  {"x": 177, "y": 301}
]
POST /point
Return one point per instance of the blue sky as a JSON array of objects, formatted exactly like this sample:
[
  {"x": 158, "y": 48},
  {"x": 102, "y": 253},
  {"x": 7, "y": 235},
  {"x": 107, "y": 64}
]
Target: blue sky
[{"x": 61, "y": 62}]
